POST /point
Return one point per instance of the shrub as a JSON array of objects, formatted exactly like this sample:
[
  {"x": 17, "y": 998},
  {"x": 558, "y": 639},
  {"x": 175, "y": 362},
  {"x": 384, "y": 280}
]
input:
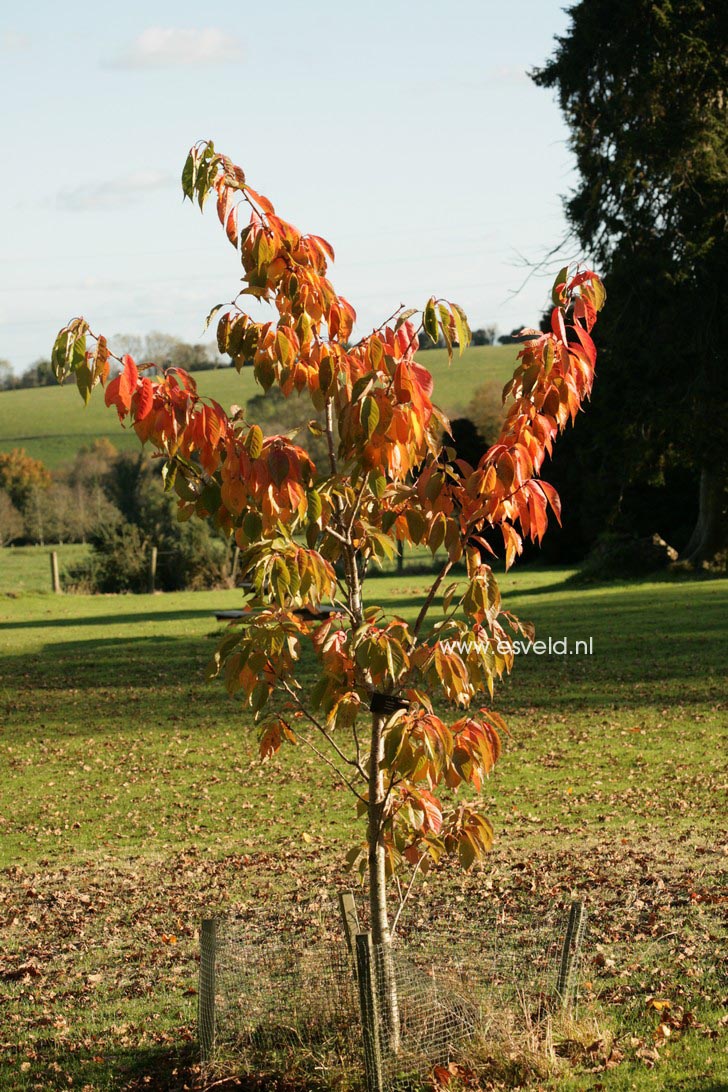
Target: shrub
[{"x": 486, "y": 410}]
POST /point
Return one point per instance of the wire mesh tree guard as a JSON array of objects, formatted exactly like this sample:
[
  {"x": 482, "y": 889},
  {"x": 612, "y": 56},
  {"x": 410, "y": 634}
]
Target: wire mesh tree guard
[{"x": 304, "y": 994}]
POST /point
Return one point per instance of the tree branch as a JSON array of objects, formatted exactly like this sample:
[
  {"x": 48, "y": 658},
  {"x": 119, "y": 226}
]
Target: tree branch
[
  {"x": 317, "y": 724},
  {"x": 339, "y": 773},
  {"x": 428, "y": 601}
]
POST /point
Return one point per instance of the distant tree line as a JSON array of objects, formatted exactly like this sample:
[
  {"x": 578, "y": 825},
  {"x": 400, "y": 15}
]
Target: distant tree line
[{"x": 115, "y": 502}]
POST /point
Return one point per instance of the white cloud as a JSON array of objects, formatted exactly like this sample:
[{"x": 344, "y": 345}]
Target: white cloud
[
  {"x": 12, "y": 41},
  {"x": 114, "y": 193},
  {"x": 163, "y": 47}
]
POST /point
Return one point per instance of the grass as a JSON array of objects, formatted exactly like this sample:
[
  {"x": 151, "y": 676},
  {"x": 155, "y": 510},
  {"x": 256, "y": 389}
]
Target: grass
[
  {"x": 133, "y": 803},
  {"x": 27, "y": 568},
  {"x": 51, "y": 423}
]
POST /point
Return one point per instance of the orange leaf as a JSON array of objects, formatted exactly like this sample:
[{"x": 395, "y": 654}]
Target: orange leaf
[{"x": 261, "y": 201}]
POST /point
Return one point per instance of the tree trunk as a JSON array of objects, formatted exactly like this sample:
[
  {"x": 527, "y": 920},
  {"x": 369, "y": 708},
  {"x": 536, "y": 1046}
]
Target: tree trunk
[
  {"x": 386, "y": 983},
  {"x": 708, "y": 543}
]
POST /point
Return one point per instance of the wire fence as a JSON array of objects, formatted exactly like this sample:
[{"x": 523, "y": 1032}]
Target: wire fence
[{"x": 309, "y": 994}]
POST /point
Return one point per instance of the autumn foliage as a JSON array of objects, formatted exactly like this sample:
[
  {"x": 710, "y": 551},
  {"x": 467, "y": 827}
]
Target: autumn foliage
[{"x": 308, "y": 533}]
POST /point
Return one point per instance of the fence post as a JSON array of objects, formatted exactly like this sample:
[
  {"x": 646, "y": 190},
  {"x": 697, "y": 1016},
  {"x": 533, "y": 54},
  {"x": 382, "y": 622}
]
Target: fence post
[
  {"x": 350, "y": 921},
  {"x": 152, "y": 569},
  {"x": 55, "y": 579},
  {"x": 206, "y": 995},
  {"x": 369, "y": 1005},
  {"x": 570, "y": 954}
]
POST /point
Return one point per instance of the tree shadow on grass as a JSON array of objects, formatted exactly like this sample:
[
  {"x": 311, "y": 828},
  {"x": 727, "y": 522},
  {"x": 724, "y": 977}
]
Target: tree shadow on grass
[
  {"x": 58, "y": 1065},
  {"x": 112, "y": 663},
  {"x": 111, "y": 619},
  {"x": 173, "y": 1068}
]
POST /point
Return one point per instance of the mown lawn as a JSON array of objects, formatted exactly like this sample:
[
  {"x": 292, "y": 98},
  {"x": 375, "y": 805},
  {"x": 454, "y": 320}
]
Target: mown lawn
[
  {"x": 133, "y": 804},
  {"x": 51, "y": 423}
]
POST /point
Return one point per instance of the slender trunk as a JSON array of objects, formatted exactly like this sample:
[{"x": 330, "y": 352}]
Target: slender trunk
[
  {"x": 709, "y": 540},
  {"x": 400, "y": 556},
  {"x": 386, "y": 982}
]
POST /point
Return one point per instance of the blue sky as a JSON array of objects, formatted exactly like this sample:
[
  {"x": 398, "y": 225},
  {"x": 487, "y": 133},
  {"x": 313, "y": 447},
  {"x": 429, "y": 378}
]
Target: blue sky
[{"x": 405, "y": 133}]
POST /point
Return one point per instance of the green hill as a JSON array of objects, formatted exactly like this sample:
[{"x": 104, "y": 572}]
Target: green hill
[{"x": 51, "y": 423}]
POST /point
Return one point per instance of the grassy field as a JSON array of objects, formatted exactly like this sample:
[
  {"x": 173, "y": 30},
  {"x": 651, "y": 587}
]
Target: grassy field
[
  {"x": 133, "y": 803},
  {"x": 52, "y": 423},
  {"x": 28, "y": 568}
]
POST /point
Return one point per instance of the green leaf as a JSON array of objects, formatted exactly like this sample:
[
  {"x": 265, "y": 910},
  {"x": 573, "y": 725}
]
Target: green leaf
[
  {"x": 415, "y": 524},
  {"x": 437, "y": 534},
  {"x": 314, "y": 505},
  {"x": 252, "y": 526},
  {"x": 434, "y": 486},
  {"x": 259, "y": 697},
  {"x": 59, "y": 360},
  {"x": 376, "y": 351},
  {"x": 382, "y": 545},
  {"x": 78, "y": 352},
  {"x": 312, "y": 533},
  {"x": 369, "y": 416},
  {"x": 188, "y": 177},
  {"x": 185, "y": 489},
  {"x": 404, "y": 317},
  {"x": 254, "y": 442},
  {"x": 84, "y": 381},
  {"x": 326, "y": 374},
  {"x": 448, "y": 597},
  {"x": 377, "y": 483},
  {"x": 462, "y": 326},
  {"x": 223, "y": 332},
  {"x": 560, "y": 280},
  {"x": 467, "y": 852},
  {"x": 362, "y": 386},
  {"x": 430, "y": 320},
  {"x": 280, "y": 580}
]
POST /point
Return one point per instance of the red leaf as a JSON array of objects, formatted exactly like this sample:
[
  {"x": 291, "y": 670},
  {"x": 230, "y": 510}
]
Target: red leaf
[
  {"x": 279, "y": 466},
  {"x": 552, "y": 497},
  {"x": 111, "y": 394},
  {"x": 586, "y": 343},
  {"x": 128, "y": 381},
  {"x": 557, "y": 324},
  {"x": 322, "y": 245},
  {"x": 145, "y": 399},
  {"x": 225, "y": 200},
  {"x": 423, "y": 378},
  {"x": 231, "y": 226}
]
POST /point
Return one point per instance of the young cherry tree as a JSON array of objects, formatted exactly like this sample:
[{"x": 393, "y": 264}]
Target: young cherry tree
[{"x": 308, "y": 534}]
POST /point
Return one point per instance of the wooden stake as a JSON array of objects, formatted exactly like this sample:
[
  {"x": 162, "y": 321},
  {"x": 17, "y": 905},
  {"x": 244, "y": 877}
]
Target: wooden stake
[
  {"x": 570, "y": 953},
  {"x": 350, "y": 922},
  {"x": 152, "y": 569},
  {"x": 55, "y": 579}
]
